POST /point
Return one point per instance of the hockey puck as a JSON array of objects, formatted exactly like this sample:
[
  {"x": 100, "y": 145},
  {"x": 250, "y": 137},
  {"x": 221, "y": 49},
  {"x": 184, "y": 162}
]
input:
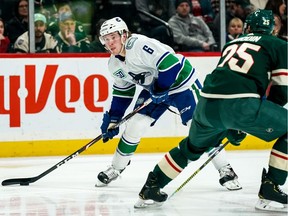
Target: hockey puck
[{"x": 24, "y": 183}]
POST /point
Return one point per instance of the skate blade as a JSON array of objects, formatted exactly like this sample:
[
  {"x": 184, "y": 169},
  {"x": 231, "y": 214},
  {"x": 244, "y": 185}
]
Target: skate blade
[
  {"x": 147, "y": 204},
  {"x": 268, "y": 205},
  {"x": 232, "y": 185},
  {"x": 100, "y": 184}
]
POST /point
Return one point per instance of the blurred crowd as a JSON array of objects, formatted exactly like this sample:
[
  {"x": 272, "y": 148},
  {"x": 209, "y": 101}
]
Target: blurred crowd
[{"x": 63, "y": 26}]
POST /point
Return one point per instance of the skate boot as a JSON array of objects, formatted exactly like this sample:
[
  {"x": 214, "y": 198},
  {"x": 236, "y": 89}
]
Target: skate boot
[
  {"x": 150, "y": 195},
  {"x": 105, "y": 177},
  {"x": 271, "y": 197},
  {"x": 228, "y": 178}
]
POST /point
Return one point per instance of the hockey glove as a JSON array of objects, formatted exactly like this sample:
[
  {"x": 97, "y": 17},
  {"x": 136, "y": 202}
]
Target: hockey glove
[
  {"x": 107, "y": 127},
  {"x": 235, "y": 137},
  {"x": 157, "y": 95}
]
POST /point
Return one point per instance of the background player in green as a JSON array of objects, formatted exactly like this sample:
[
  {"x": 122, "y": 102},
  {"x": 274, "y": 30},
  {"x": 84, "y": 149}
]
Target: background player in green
[{"x": 233, "y": 98}]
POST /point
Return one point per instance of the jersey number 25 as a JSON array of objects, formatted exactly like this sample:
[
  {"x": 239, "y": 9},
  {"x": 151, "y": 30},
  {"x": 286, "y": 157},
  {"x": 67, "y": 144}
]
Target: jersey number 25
[{"x": 241, "y": 51}]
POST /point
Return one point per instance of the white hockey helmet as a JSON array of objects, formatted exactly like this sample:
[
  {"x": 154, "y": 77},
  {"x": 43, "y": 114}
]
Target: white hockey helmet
[{"x": 112, "y": 25}]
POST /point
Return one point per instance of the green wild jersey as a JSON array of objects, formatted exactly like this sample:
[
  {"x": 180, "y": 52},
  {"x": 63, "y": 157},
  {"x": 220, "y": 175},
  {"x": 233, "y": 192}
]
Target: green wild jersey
[
  {"x": 247, "y": 66},
  {"x": 53, "y": 28},
  {"x": 82, "y": 44}
]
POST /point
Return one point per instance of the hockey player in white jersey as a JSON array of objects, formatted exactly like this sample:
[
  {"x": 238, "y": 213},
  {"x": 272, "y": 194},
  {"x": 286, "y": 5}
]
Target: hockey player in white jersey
[{"x": 166, "y": 78}]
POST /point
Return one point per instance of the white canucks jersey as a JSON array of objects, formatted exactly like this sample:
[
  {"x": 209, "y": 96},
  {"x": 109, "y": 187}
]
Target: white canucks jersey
[{"x": 146, "y": 60}]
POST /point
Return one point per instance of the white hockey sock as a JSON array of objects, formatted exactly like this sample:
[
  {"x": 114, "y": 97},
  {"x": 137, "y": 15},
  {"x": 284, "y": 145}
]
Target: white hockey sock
[
  {"x": 119, "y": 161},
  {"x": 135, "y": 128},
  {"x": 220, "y": 160}
]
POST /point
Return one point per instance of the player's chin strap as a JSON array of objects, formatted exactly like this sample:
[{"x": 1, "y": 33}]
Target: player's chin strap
[{"x": 123, "y": 41}]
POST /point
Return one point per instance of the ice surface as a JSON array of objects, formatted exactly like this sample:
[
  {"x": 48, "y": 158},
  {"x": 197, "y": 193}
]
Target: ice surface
[{"x": 69, "y": 190}]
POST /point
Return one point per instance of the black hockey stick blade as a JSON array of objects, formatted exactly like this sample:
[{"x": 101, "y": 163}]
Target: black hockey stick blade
[{"x": 27, "y": 181}]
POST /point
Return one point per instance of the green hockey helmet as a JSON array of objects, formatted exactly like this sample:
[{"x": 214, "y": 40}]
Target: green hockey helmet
[{"x": 261, "y": 21}]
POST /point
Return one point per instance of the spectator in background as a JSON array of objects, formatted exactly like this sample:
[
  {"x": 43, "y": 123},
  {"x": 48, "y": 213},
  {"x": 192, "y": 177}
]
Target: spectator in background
[
  {"x": 45, "y": 7},
  {"x": 215, "y": 4},
  {"x": 259, "y": 4},
  {"x": 235, "y": 29},
  {"x": 190, "y": 32},
  {"x": 83, "y": 10},
  {"x": 53, "y": 26},
  {"x": 4, "y": 40},
  {"x": 277, "y": 24},
  {"x": 278, "y": 7},
  {"x": 203, "y": 9},
  {"x": 44, "y": 42},
  {"x": 162, "y": 9},
  {"x": 19, "y": 23},
  {"x": 70, "y": 41},
  {"x": 278, "y": 27},
  {"x": 238, "y": 8}
]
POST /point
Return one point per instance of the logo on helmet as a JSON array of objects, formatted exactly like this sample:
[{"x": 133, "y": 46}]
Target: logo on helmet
[
  {"x": 260, "y": 21},
  {"x": 115, "y": 24},
  {"x": 118, "y": 19}
]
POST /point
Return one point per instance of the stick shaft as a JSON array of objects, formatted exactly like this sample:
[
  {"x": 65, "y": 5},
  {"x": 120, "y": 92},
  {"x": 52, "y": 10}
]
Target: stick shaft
[
  {"x": 75, "y": 154},
  {"x": 215, "y": 153}
]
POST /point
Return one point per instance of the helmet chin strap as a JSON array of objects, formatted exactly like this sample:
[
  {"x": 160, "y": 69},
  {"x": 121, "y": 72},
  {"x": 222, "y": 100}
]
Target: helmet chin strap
[
  {"x": 122, "y": 49},
  {"x": 123, "y": 43}
]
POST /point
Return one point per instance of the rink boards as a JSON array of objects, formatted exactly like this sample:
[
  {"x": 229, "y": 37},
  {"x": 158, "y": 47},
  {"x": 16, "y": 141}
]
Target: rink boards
[
  {"x": 53, "y": 105},
  {"x": 67, "y": 147}
]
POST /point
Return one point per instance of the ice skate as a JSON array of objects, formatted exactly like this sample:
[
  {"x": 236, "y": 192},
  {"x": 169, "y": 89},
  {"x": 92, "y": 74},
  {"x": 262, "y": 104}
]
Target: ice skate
[
  {"x": 150, "y": 195},
  {"x": 228, "y": 178},
  {"x": 105, "y": 177},
  {"x": 271, "y": 197}
]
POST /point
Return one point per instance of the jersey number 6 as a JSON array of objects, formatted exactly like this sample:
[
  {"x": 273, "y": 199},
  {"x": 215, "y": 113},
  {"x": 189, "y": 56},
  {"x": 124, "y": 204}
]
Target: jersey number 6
[{"x": 148, "y": 49}]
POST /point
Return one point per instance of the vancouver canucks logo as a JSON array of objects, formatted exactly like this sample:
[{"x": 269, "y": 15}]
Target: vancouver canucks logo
[
  {"x": 119, "y": 73},
  {"x": 131, "y": 42},
  {"x": 139, "y": 78}
]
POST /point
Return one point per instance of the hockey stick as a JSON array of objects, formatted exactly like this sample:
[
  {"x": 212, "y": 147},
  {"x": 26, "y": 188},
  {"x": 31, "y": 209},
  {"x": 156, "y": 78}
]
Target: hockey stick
[
  {"x": 216, "y": 152},
  {"x": 27, "y": 181}
]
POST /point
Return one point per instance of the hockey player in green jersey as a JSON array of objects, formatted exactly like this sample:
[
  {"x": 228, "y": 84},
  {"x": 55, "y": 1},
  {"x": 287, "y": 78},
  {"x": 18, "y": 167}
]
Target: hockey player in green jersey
[
  {"x": 233, "y": 97},
  {"x": 164, "y": 76}
]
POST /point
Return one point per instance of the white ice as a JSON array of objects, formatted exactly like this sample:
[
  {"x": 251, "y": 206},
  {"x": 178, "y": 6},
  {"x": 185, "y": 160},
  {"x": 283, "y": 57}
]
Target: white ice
[{"x": 69, "y": 190}]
